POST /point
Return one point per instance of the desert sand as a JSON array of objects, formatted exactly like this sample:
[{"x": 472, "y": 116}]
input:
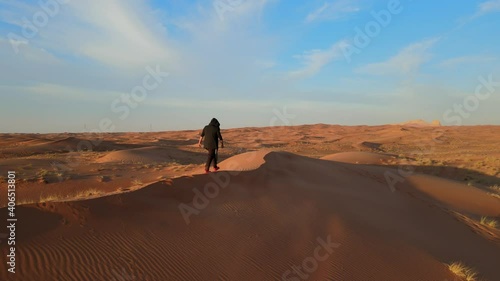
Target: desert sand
[{"x": 314, "y": 202}]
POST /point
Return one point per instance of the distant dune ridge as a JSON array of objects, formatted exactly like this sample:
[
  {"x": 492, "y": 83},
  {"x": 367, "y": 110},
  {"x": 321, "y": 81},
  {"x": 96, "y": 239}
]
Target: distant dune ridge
[
  {"x": 289, "y": 203},
  {"x": 67, "y": 144},
  {"x": 420, "y": 122}
]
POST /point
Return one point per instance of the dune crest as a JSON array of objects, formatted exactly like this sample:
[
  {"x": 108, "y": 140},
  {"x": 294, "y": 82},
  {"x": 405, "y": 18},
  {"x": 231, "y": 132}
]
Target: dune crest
[
  {"x": 360, "y": 157},
  {"x": 246, "y": 161},
  {"x": 421, "y": 123},
  {"x": 256, "y": 225}
]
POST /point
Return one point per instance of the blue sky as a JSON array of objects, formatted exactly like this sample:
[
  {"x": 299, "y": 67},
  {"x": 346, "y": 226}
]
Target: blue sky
[{"x": 69, "y": 65}]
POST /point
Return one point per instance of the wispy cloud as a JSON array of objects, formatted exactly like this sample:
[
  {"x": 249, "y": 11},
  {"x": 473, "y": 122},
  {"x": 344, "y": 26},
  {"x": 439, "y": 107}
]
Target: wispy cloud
[
  {"x": 131, "y": 35},
  {"x": 407, "y": 61},
  {"x": 28, "y": 54},
  {"x": 482, "y": 9},
  {"x": 222, "y": 20},
  {"x": 487, "y": 7},
  {"x": 240, "y": 66},
  {"x": 453, "y": 62},
  {"x": 333, "y": 11},
  {"x": 315, "y": 60},
  {"x": 135, "y": 35},
  {"x": 226, "y": 56}
]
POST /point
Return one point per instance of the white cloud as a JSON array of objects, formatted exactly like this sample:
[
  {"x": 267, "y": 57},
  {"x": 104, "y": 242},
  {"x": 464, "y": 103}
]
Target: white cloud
[
  {"x": 224, "y": 56},
  {"x": 247, "y": 8},
  {"x": 315, "y": 60},
  {"x": 482, "y": 9},
  {"x": 407, "y": 61},
  {"x": 333, "y": 11},
  {"x": 90, "y": 39},
  {"x": 220, "y": 16},
  {"x": 117, "y": 33},
  {"x": 453, "y": 62},
  {"x": 27, "y": 53},
  {"x": 127, "y": 36},
  {"x": 487, "y": 7}
]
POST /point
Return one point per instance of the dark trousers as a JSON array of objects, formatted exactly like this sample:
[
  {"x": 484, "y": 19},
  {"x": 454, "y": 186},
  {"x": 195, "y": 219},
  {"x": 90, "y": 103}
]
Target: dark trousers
[{"x": 212, "y": 156}]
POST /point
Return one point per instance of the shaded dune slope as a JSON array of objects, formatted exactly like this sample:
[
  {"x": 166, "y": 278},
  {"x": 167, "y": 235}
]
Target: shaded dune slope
[{"x": 265, "y": 218}]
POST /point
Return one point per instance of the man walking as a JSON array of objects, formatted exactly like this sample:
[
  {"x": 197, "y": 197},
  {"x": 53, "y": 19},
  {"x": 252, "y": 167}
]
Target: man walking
[{"x": 211, "y": 134}]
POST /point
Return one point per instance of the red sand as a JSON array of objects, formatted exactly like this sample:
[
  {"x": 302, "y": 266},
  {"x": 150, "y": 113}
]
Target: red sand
[{"x": 258, "y": 219}]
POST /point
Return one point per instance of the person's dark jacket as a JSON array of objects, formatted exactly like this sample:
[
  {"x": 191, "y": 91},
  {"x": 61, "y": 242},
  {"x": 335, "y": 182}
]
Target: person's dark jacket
[{"x": 212, "y": 135}]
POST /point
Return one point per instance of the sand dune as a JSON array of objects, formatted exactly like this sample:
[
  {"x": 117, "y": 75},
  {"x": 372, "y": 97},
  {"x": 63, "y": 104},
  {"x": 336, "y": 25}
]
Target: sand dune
[
  {"x": 16, "y": 140},
  {"x": 420, "y": 123},
  {"x": 457, "y": 196},
  {"x": 65, "y": 145},
  {"x": 265, "y": 212},
  {"x": 360, "y": 157},
  {"x": 257, "y": 222},
  {"x": 245, "y": 161},
  {"x": 373, "y": 146},
  {"x": 143, "y": 154},
  {"x": 20, "y": 164}
]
